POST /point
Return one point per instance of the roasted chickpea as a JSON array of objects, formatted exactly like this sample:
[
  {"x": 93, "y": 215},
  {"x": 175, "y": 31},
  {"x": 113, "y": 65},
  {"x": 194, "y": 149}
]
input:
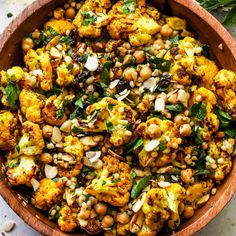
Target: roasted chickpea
[
  {"x": 130, "y": 74},
  {"x": 139, "y": 56},
  {"x": 70, "y": 13},
  {"x": 36, "y": 34},
  {"x": 160, "y": 43},
  {"x": 107, "y": 221},
  {"x": 76, "y": 69},
  {"x": 185, "y": 130},
  {"x": 100, "y": 208},
  {"x": 180, "y": 120},
  {"x": 47, "y": 131},
  {"x": 166, "y": 31},
  {"x": 186, "y": 175},
  {"x": 145, "y": 73},
  {"x": 27, "y": 44},
  {"x": 154, "y": 131},
  {"x": 123, "y": 218},
  {"x": 188, "y": 212},
  {"x": 46, "y": 158}
]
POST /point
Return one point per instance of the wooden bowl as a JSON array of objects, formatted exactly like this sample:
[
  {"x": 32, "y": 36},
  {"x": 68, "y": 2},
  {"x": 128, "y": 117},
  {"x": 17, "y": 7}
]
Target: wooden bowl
[{"x": 209, "y": 30}]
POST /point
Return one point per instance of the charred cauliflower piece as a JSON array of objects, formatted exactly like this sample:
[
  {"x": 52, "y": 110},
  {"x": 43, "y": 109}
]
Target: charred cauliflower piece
[
  {"x": 8, "y": 130},
  {"x": 66, "y": 221},
  {"x": 158, "y": 136},
  {"x": 91, "y": 17},
  {"x": 112, "y": 116},
  {"x": 197, "y": 191},
  {"x": 225, "y": 83},
  {"x": 40, "y": 60},
  {"x": 31, "y": 105},
  {"x": 161, "y": 205},
  {"x": 74, "y": 148},
  {"x": 64, "y": 76},
  {"x": 133, "y": 20},
  {"x": 46, "y": 195},
  {"x": 14, "y": 74},
  {"x": 31, "y": 141},
  {"x": 60, "y": 26},
  {"x": 53, "y": 112},
  {"x": 21, "y": 170},
  {"x": 112, "y": 183}
]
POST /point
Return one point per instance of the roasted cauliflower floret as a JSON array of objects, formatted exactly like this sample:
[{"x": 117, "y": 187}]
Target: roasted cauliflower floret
[
  {"x": 21, "y": 170},
  {"x": 176, "y": 23},
  {"x": 40, "y": 60},
  {"x": 53, "y": 112},
  {"x": 31, "y": 141},
  {"x": 158, "y": 137},
  {"x": 91, "y": 17},
  {"x": 195, "y": 192},
  {"x": 14, "y": 74},
  {"x": 64, "y": 76},
  {"x": 133, "y": 20},
  {"x": 223, "y": 163},
  {"x": 161, "y": 205},
  {"x": 60, "y": 26},
  {"x": 31, "y": 105},
  {"x": 112, "y": 183},
  {"x": 66, "y": 221},
  {"x": 47, "y": 194},
  {"x": 225, "y": 83},
  {"x": 112, "y": 116},
  {"x": 8, "y": 130}
]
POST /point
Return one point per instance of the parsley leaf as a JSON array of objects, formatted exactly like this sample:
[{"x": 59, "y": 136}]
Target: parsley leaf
[
  {"x": 136, "y": 143},
  {"x": 160, "y": 63},
  {"x": 198, "y": 110},
  {"x": 89, "y": 18},
  {"x": 110, "y": 126},
  {"x": 175, "y": 107},
  {"x": 129, "y": 6},
  {"x": 11, "y": 92}
]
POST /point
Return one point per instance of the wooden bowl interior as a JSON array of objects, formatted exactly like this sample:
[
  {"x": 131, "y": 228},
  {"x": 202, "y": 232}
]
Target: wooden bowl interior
[{"x": 209, "y": 31}]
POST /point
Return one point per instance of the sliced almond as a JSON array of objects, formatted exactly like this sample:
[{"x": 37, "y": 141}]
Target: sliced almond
[
  {"x": 92, "y": 63},
  {"x": 56, "y": 135},
  {"x": 204, "y": 199},
  {"x": 114, "y": 83},
  {"x": 50, "y": 171},
  {"x": 93, "y": 156},
  {"x": 152, "y": 145},
  {"x": 66, "y": 126},
  {"x": 160, "y": 104},
  {"x": 139, "y": 203},
  {"x": 163, "y": 184},
  {"x": 35, "y": 184}
]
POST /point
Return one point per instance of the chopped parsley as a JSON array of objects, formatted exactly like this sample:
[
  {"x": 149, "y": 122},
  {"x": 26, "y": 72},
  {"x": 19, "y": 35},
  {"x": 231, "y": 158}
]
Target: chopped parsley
[
  {"x": 198, "y": 110},
  {"x": 89, "y": 18},
  {"x": 129, "y": 6},
  {"x": 11, "y": 92}
]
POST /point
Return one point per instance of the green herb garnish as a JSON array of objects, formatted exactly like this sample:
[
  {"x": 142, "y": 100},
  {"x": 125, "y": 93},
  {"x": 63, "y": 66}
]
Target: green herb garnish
[
  {"x": 198, "y": 110},
  {"x": 11, "y": 92},
  {"x": 129, "y": 6}
]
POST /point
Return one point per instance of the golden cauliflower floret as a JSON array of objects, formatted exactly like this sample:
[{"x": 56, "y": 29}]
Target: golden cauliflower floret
[
  {"x": 225, "y": 83},
  {"x": 21, "y": 170},
  {"x": 112, "y": 183},
  {"x": 40, "y": 60},
  {"x": 223, "y": 163},
  {"x": 112, "y": 116},
  {"x": 73, "y": 146},
  {"x": 8, "y": 130},
  {"x": 195, "y": 192},
  {"x": 134, "y": 21},
  {"x": 66, "y": 221},
  {"x": 60, "y": 26},
  {"x": 53, "y": 112},
  {"x": 15, "y": 74},
  {"x": 91, "y": 17},
  {"x": 47, "y": 194},
  {"x": 31, "y": 105},
  {"x": 176, "y": 23},
  {"x": 158, "y": 138},
  {"x": 64, "y": 76},
  {"x": 161, "y": 205},
  {"x": 31, "y": 141}
]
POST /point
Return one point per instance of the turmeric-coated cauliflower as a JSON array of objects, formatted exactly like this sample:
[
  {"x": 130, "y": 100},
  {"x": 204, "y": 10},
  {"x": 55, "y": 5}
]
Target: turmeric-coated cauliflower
[
  {"x": 8, "y": 130},
  {"x": 39, "y": 60},
  {"x": 161, "y": 205},
  {"x": 158, "y": 136},
  {"x": 112, "y": 116},
  {"x": 47, "y": 194},
  {"x": 14, "y": 74},
  {"x": 66, "y": 221},
  {"x": 112, "y": 183},
  {"x": 225, "y": 83},
  {"x": 64, "y": 76},
  {"x": 31, "y": 105},
  {"x": 53, "y": 112},
  {"x": 21, "y": 170},
  {"x": 60, "y": 26},
  {"x": 31, "y": 141},
  {"x": 91, "y": 17}
]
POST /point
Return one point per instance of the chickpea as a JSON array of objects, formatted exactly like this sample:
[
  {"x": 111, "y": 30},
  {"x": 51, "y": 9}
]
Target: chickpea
[
  {"x": 139, "y": 56},
  {"x": 160, "y": 43},
  {"x": 58, "y": 13},
  {"x": 145, "y": 73},
  {"x": 180, "y": 120},
  {"x": 130, "y": 74},
  {"x": 107, "y": 221},
  {"x": 47, "y": 131},
  {"x": 123, "y": 218},
  {"x": 70, "y": 13},
  {"x": 188, "y": 212},
  {"x": 185, "y": 130},
  {"x": 127, "y": 59},
  {"x": 154, "y": 131},
  {"x": 166, "y": 31},
  {"x": 186, "y": 175},
  {"x": 100, "y": 208},
  {"x": 46, "y": 158},
  {"x": 36, "y": 34},
  {"x": 27, "y": 44},
  {"x": 76, "y": 69}
]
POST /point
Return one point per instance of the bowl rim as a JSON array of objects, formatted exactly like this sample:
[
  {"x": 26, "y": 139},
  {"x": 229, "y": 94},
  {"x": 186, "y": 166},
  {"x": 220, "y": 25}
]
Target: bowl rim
[{"x": 209, "y": 215}]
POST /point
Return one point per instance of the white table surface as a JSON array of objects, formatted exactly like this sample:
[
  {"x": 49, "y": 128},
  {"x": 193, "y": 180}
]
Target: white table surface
[{"x": 223, "y": 225}]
